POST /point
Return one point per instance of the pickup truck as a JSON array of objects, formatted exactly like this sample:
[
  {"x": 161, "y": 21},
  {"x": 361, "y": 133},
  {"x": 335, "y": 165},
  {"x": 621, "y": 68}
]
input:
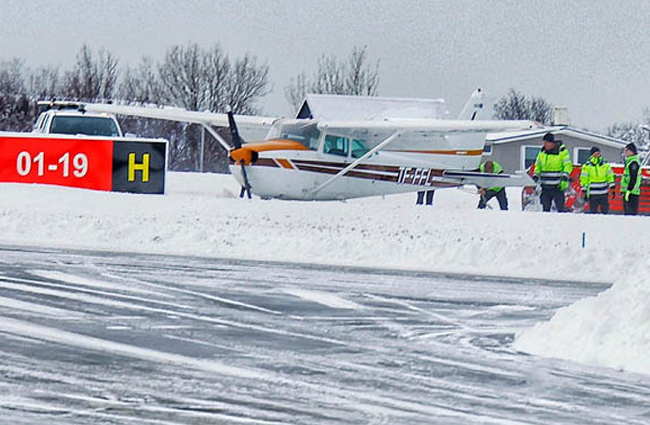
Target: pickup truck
[{"x": 70, "y": 118}]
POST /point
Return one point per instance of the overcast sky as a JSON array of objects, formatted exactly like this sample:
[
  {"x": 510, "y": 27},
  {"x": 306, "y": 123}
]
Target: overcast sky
[{"x": 591, "y": 56}]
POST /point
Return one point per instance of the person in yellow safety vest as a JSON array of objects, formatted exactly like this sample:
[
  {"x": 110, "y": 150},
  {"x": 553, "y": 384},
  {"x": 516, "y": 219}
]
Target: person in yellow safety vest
[
  {"x": 552, "y": 171},
  {"x": 596, "y": 180},
  {"x": 631, "y": 181},
  {"x": 492, "y": 167}
]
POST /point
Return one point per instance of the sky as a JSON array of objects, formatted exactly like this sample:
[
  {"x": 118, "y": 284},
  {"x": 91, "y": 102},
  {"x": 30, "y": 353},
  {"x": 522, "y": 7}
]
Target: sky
[{"x": 592, "y": 57}]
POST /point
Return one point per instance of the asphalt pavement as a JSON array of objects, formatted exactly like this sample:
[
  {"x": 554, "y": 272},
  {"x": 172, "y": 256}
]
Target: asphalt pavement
[{"x": 116, "y": 338}]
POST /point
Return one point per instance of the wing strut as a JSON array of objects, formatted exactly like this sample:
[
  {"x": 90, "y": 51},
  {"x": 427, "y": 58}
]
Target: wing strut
[
  {"x": 357, "y": 162},
  {"x": 216, "y": 136}
]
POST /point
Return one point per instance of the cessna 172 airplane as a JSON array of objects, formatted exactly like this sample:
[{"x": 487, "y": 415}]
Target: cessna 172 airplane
[{"x": 321, "y": 159}]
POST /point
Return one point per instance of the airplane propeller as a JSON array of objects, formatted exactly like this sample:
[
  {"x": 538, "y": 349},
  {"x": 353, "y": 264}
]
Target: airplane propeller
[{"x": 237, "y": 142}]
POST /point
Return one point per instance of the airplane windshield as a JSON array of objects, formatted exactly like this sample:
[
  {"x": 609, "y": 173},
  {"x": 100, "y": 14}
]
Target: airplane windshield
[{"x": 306, "y": 134}]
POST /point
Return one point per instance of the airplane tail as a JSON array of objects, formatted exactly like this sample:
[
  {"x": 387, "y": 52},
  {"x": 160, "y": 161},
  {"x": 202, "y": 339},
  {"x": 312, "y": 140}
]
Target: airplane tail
[{"x": 476, "y": 107}]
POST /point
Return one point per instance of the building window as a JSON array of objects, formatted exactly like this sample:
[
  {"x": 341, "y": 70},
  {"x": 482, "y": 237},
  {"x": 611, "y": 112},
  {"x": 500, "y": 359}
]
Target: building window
[
  {"x": 529, "y": 155},
  {"x": 582, "y": 155}
]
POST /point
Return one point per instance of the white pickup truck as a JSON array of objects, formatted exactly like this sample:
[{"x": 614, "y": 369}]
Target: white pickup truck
[{"x": 72, "y": 119}]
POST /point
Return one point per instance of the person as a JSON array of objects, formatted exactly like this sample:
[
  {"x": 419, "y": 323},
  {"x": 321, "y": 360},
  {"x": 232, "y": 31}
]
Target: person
[
  {"x": 596, "y": 180},
  {"x": 631, "y": 181},
  {"x": 429, "y": 195},
  {"x": 492, "y": 167},
  {"x": 552, "y": 171}
]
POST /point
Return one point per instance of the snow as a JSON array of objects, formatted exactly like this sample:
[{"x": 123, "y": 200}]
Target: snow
[
  {"x": 611, "y": 329},
  {"x": 201, "y": 215}
]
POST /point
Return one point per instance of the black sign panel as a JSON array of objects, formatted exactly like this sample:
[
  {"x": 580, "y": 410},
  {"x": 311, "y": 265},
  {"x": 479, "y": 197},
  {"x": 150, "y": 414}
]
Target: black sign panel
[{"x": 139, "y": 167}]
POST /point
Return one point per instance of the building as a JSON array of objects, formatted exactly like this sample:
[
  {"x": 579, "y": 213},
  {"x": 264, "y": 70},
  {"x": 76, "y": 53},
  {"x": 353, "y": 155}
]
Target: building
[{"x": 518, "y": 150}]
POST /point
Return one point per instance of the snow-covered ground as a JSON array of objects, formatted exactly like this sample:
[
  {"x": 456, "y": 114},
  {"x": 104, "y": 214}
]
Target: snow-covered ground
[{"x": 200, "y": 215}]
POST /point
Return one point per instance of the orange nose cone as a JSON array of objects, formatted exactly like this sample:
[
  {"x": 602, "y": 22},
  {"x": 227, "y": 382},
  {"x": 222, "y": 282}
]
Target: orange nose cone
[{"x": 242, "y": 154}]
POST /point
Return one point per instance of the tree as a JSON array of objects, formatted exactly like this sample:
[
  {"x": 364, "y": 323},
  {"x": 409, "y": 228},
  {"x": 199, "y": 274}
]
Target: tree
[
  {"x": 247, "y": 82},
  {"x": 15, "y": 111},
  {"x": 354, "y": 76},
  {"x": 362, "y": 79},
  {"x": 12, "y": 79},
  {"x": 207, "y": 79},
  {"x": 514, "y": 105},
  {"x": 45, "y": 83},
  {"x": 141, "y": 84},
  {"x": 632, "y": 132},
  {"x": 92, "y": 79},
  {"x": 181, "y": 77}
]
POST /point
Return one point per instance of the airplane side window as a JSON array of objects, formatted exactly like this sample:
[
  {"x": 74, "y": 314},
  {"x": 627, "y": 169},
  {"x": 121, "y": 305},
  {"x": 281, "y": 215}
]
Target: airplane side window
[
  {"x": 359, "y": 148},
  {"x": 335, "y": 145}
]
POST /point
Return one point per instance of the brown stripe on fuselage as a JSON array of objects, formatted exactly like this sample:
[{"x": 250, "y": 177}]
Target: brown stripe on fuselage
[
  {"x": 475, "y": 152},
  {"x": 284, "y": 163},
  {"x": 266, "y": 162},
  {"x": 373, "y": 167},
  {"x": 369, "y": 172}
]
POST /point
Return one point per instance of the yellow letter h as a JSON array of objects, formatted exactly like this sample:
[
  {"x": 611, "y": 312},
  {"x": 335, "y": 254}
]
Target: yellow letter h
[{"x": 144, "y": 167}]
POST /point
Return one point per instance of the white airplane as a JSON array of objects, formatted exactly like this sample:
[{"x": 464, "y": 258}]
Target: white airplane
[{"x": 316, "y": 159}]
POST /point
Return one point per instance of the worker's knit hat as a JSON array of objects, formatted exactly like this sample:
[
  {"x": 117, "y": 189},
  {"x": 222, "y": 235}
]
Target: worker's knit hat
[
  {"x": 549, "y": 137},
  {"x": 631, "y": 147},
  {"x": 594, "y": 150}
]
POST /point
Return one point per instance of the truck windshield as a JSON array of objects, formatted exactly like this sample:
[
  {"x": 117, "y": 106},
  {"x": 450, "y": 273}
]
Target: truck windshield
[{"x": 90, "y": 126}]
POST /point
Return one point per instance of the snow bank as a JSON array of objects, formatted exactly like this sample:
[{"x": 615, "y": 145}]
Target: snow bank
[
  {"x": 611, "y": 329},
  {"x": 201, "y": 215}
]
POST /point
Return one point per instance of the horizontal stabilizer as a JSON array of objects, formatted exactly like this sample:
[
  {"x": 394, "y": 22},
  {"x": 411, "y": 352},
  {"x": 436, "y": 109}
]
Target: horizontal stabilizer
[{"x": 519, "y": 179}]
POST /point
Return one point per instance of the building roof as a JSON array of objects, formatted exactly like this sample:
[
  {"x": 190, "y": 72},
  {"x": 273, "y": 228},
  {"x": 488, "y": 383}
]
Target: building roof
[
  {"x": 364, "y": 108},
  {"x": 501, "y": 138}
]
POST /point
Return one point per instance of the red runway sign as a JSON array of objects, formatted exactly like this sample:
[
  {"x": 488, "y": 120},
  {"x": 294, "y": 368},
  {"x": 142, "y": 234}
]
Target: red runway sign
[{"x": 102, "y": 164}]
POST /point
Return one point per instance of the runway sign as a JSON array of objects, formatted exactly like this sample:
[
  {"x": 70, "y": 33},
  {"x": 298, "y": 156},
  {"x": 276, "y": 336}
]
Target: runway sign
[{"x": 119, "y": 165}]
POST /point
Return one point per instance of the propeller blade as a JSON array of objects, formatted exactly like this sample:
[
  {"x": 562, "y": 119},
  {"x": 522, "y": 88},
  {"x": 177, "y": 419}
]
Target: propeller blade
[{"x": 234, "y": 133}]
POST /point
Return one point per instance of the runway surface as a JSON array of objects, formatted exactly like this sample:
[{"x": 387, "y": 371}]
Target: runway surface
[{"x": 109, "y": 338}]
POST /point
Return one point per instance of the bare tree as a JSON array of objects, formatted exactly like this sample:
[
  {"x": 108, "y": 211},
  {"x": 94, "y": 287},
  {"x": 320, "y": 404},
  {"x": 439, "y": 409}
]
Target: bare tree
[
  {"x": 91, "y": 79},
  {"x": 540, "y": 110},
  {"x": 45, "y": 82},
  {"x": 248, "y": 81},
  {"x": 181, "y": 77},
  {"x": 354, "y": 76},
  {"x": 12, "y": 80},
  {"x": 216, "y": 74},
  {"x": 632, "y": 132},
  {"x": 516, "y": 106},
  {"x": 296, "y": 90},
  {"x": 141, "y": 84},
  {"x": 108, "y": 74},
  {"x": 362, "y": 78}
]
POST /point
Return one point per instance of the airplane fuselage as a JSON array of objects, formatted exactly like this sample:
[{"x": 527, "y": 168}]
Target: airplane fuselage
[{"x": 296, "y": 175}]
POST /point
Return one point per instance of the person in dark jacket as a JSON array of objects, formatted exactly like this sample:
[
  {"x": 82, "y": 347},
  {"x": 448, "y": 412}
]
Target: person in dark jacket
[
  {"x": 631, "y": 181},
  {"x": 425, "y": 193}
]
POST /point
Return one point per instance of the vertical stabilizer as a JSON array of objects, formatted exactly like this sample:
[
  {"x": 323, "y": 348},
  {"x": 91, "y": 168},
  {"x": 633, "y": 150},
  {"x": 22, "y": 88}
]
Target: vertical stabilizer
[{"x": 475, "y": 108}]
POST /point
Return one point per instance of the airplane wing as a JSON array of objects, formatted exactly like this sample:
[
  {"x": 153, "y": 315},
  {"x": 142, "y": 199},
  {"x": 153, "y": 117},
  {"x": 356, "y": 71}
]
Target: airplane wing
[
  {"x": 253, "y": 128},
  {"x": 426, "y": 126}
]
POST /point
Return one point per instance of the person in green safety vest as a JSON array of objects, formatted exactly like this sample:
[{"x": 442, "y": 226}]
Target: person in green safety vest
[
  {"x": 552, "y": 171},
  {"x": 596, "y": 180},
  {"x": 631, "y": 181},
  {"x": 492, "y": 167}
]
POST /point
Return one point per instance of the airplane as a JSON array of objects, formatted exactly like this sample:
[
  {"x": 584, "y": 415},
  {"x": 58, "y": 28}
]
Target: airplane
[{"x": 321, "y": 159}]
